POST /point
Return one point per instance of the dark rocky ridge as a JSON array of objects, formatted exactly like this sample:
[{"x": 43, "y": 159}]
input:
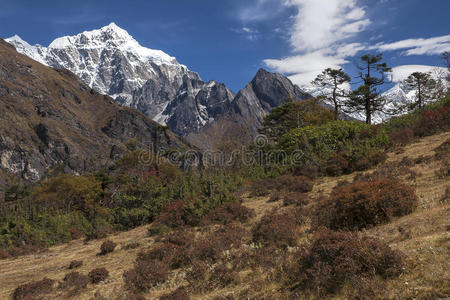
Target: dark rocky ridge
[
  {"x": 48, "y": 117},
  {"x": 242, "y": 119}
]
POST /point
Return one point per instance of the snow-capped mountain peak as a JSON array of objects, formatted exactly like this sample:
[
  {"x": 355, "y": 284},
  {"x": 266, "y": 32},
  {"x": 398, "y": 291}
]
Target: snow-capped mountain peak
[
  {"x": 108, "y": 59},
  {"x": 112, "y": 62},
  {"x": 34, "y": 52},
  {"x": 113, "y": 36}
]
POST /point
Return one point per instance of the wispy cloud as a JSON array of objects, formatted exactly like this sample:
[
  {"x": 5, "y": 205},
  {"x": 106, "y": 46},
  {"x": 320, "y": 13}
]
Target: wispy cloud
[
  {"x": 305, "y": 67},
  {"x": 322, "y": 23},
  {"x": 259, "y": 10},
  {"x": 400, "y": 73},
  {"x": 326, "y": 34},
  {"x": 320, "y": 37},
  {"x": 420, "y": 46},
  {"x": 249, "y": 33}
]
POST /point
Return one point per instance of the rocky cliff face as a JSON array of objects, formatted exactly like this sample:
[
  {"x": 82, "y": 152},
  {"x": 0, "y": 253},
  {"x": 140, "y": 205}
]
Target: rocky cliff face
[
  {"x": 265, "y": 92},
  {"x": 241, "y": 119},
  {"x": 49, "y": 117}
]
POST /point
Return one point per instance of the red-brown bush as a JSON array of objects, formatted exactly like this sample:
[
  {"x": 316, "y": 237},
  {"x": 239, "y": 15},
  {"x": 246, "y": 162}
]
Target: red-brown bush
[
  {"x": 336, "y": 258},
  {"x": 182, "y": 238},
  {"x": 297, "y": 184},
  {"x": 367, "y": 161},
  {"x": 336, "y": 165},
  {"x": 134, "y": 296},
  {"x": 175, "y": 215},
  {"x": 222, "y": 275},
  {"x": 174, "y": 256},
  {"x": 146, "y": 274},
  {"x": 75, "y": 233},
  {"x": 174, "y": 250},
  {"x": 3, "y": 254},
  {"x": 178, "y": 294},
  {"x": 202, "y": 277},
  {"x": 227, "y": 213},
  {"x": 296, "y": 199},
  {"x": 227, "y": 297},
  {"x": 401, "y": 137},
  {"x": 33, "y": 290},
  {"x": 75, "y": 264},
  {"x": 196, "y": 275},
  {"x": 276, "y": 196},
  {"x": 24, "y": 249},
  {"x": 433, "y": 121},
  {"x": 442, "y": 152},
  {"x": 107, "y": 247},
  {"x": 98, "y": 275},
  {"x": 262, "y": 187},
  {"x": 309, "y": 169},
  {"x": 275, "y": 230},
  {"x": 364, "y": 204},
  {"x": 210, "y": 247},
  {"x": 75, "y": 281}
]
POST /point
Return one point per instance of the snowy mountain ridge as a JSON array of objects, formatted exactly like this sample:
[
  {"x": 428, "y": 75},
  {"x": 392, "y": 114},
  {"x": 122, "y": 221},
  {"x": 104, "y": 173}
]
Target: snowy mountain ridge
[
  {"x": 112, "y": 62},
  {"x": 398, "y": 95},
  {"x": 97, "y": 57}
]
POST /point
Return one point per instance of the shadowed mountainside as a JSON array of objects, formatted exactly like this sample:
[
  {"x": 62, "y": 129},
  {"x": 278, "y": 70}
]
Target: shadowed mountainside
[{"x": 48, "y": 117}]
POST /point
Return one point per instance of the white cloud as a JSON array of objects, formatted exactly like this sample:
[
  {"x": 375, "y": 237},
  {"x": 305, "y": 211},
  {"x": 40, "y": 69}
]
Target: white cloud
[
  {"x": 319, "y": 37},
  {"x": 249, "y": 33},
  {"x": 420, "y": 46},
  {"x": 321, "y": 23},
  {"x": 400, "y": 73},
  {"x": 304, "y": 68},
  {"x": 348, "y": 50},
  {"x": 258, "y": 10}
]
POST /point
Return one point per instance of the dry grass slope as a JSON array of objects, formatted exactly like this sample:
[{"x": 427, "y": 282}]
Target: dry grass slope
[{"x": 423, "y": 236}]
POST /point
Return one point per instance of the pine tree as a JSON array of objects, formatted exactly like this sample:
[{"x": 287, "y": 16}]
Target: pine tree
[
  {"x": 424, "y": 85},
  {"x": 293, "y": 115},
  {"x": 446, "y": 58},
  {"x": 331, "y": 82},
  {"x": 366, "y": 98}
]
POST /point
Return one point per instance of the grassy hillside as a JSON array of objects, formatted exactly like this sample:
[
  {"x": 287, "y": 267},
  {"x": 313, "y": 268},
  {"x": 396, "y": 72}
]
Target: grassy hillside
[{"x": 421, "y": 236}]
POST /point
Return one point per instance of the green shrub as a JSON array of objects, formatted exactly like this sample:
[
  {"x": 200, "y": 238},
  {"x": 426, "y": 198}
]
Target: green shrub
[
  {"x": 70, "y": 193},
  {"x": 320, "y": 143},
  {"x": 292, "y": 115}
]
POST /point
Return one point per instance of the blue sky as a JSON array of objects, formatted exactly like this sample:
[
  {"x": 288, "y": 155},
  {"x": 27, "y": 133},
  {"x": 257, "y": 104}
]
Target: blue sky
[{"x": 229, "y": 40}]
